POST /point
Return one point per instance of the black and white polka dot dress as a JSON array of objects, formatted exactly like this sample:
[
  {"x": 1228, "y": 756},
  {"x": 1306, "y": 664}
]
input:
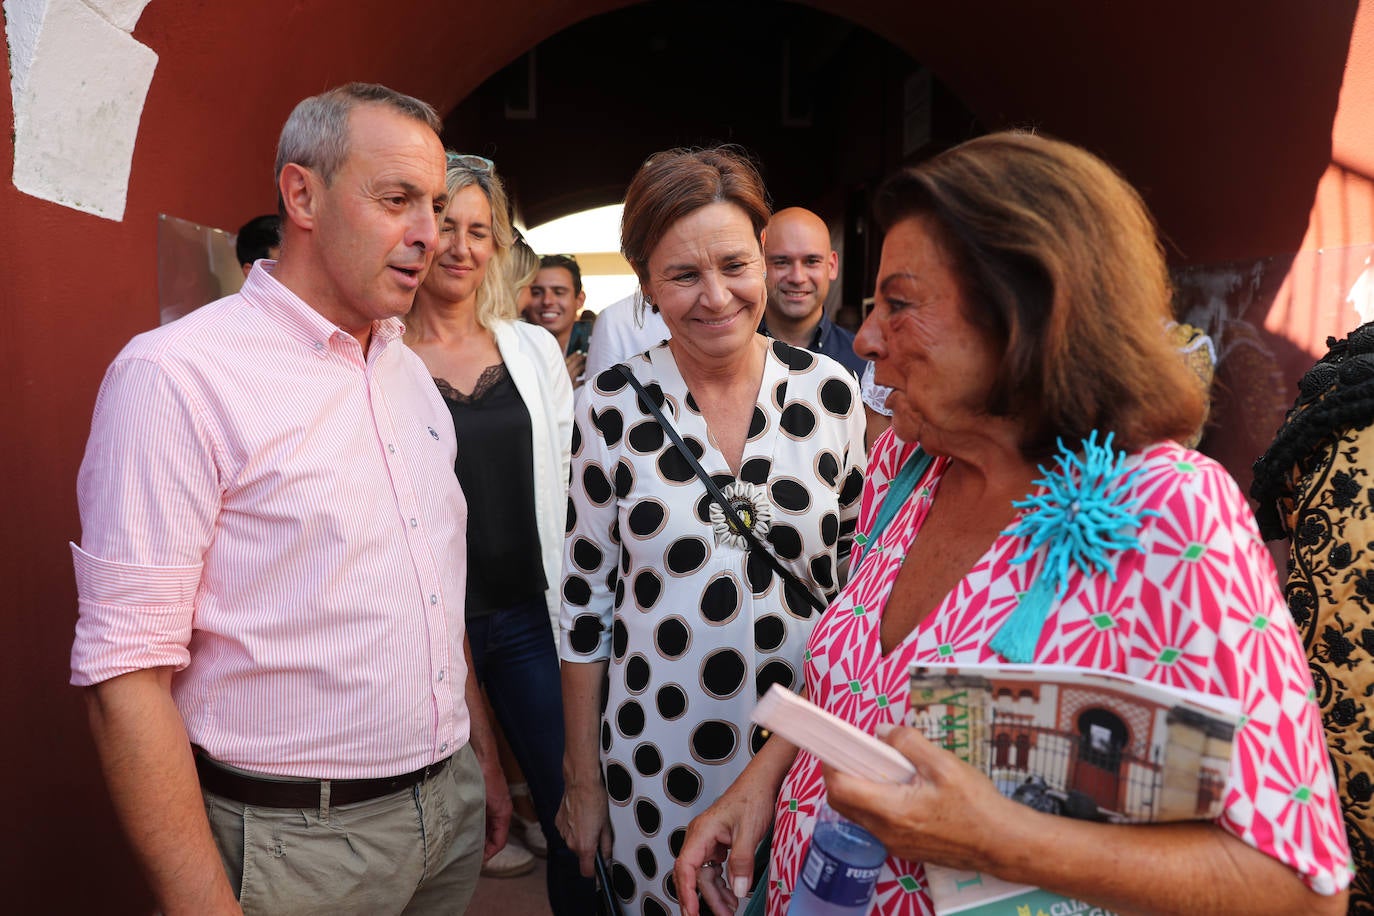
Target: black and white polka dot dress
[{"x": 694, "y": 628}]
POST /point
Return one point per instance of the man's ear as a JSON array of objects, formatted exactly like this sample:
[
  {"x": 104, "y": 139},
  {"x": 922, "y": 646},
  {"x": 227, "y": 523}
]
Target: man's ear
[
  {"x": 298, "y": 187},
  {"x": 834, "y": 264}
]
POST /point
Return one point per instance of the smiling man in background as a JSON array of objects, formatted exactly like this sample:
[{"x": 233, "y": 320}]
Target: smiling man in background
[
  {"x": 800, "y": 268},
  {"x": 556, "y": 301}
]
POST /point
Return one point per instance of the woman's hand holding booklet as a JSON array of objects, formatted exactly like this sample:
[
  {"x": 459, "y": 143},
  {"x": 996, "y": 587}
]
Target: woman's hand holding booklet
[{"x": 835, "y": 742}]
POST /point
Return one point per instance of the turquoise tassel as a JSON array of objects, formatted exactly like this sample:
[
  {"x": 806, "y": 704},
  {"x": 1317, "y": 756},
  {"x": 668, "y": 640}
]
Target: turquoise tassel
[{"x": 1019, "y": 634}]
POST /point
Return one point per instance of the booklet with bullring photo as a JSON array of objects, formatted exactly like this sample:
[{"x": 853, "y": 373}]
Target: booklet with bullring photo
[{"x": 1075, "y": 743}]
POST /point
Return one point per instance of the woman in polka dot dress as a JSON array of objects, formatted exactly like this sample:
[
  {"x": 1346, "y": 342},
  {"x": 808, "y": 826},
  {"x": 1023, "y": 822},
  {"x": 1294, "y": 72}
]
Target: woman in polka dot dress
[{"x": 663, "y": 609}]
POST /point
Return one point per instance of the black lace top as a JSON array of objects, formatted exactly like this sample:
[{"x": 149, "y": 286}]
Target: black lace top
[
  {"x": 1334, "y": 396},
  {"x": 495, "y": 467},
  {"x": 1316, "y": 485}
]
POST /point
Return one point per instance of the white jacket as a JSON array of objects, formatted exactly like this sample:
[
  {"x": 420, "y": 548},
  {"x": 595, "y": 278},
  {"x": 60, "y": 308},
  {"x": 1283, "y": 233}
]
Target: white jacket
[{"x": 536, "y": 367}]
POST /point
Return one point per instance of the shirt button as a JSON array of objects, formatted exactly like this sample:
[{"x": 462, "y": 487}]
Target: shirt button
[
  {"x": 414, "y": 524},
  {"x": 444, "y": 746},
  {"x": 441, "y": 674},
  {"x": 391, "y": 448},
  {"x": 319, "y": 345},
  {"x": 433, "y": 599}
]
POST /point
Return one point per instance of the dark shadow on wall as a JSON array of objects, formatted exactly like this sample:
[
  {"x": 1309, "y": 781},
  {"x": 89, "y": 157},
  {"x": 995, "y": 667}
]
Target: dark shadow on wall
[{"x": 1258, "y": 367}]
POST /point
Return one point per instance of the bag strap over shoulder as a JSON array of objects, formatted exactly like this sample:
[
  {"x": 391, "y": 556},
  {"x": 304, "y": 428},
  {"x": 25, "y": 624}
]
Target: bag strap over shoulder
[
  {"x": 912, "y": 470},
  {"x": 736, "y": 523}
]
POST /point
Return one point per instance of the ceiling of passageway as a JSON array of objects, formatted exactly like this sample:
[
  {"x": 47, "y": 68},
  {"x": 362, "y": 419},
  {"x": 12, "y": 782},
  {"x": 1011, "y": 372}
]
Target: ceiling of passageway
[
  {"x": 816, "y": 99},
  {"x": 1219, "y": 111},
  {"x": 1199, "y": 105}
]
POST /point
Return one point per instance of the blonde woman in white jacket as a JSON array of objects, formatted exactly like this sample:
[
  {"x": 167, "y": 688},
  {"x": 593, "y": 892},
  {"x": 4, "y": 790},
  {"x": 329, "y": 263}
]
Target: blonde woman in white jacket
[{"x": 511, "y": 401}]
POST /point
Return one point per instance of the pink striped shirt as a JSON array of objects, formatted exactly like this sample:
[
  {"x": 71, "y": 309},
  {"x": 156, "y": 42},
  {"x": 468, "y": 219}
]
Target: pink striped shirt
[{"x": 276, "y": 516}]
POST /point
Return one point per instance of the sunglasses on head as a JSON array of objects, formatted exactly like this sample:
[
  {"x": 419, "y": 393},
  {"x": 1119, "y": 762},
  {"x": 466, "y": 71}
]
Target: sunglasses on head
[{"x": 470, "y": 162}]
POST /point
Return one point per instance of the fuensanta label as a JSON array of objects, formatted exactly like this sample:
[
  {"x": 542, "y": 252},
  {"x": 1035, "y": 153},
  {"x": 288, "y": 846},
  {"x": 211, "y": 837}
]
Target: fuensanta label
[{"x": 835, "y": 882}]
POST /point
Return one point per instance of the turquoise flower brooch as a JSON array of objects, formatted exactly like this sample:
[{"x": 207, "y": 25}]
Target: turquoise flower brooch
[{"x": 1083, "y": 517}]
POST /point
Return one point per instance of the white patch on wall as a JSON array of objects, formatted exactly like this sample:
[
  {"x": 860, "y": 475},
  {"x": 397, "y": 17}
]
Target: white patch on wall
[
  {"x": 1361, "y": 295},
  {"x": 79, "y": 81},
  {"x": 122, "y": 14}
]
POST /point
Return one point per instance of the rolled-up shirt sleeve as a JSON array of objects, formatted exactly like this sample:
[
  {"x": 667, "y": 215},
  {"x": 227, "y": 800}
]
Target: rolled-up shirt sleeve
[{"x": 149, "y": 493}]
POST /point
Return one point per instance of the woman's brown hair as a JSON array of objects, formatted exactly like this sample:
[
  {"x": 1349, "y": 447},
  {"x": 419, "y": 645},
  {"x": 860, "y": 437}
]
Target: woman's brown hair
[
  {"x": 676, "y": 183},
  {"x": 1062, "y": 268}
]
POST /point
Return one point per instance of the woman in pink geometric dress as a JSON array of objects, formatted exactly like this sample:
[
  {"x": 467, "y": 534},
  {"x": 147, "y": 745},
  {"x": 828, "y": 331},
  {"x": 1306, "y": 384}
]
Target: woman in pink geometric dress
[{"x": 1019, "y": 304}]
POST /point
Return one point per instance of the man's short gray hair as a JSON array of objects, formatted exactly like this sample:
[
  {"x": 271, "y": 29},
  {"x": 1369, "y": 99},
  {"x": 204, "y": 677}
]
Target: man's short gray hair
[{"x": 316, "y": 133}]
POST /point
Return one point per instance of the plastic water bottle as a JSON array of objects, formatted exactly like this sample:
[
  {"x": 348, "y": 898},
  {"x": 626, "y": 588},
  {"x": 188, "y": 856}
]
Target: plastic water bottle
[{"x": 840, "y": 870}]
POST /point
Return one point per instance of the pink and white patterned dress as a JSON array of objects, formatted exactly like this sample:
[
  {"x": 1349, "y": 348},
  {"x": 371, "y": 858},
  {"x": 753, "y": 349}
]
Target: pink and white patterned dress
[{"x": 1198, "y": 607}]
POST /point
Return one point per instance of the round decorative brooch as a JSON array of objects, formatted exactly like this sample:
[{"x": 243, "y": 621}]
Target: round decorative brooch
[{"x": 750, "y": 502}]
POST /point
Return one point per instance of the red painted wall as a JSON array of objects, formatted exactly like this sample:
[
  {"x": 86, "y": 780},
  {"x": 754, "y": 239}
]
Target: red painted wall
[
  {"x": 74, "y": 288},
  {"x": 1221, "y": 112}
]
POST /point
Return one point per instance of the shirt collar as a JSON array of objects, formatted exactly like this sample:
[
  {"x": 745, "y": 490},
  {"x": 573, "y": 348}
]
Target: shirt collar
[
  {"x": 823, "y": 329},
  {"x": 293, "y": 313},
  {"x": 818, "y": 334}
]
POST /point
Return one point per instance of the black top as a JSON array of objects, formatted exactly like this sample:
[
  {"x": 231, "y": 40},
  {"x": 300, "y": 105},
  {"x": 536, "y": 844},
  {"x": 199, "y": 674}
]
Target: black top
[
  {"x": 1334, "y": 396},
  {"x": 495, "y": 467}
]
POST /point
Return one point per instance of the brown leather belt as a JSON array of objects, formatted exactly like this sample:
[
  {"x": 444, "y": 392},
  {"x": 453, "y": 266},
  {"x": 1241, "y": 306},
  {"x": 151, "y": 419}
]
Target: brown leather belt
[{"x": 265, "y": 792}]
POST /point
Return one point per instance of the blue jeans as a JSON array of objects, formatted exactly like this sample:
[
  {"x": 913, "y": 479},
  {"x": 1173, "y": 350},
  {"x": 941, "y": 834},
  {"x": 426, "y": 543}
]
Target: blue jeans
[{"x": 515, "y": 659}]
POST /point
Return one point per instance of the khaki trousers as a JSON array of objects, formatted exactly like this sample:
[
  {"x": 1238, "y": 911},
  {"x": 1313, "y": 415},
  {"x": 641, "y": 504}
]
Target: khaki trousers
[{"x": 417, "y": 851}]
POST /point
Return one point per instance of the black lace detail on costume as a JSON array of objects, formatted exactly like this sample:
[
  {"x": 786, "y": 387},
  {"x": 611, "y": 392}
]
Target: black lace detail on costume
[
  {"x": 1330, "y": 591},
  {"x": 490, "y": 377},
  {"x": 1334, "y": 395},
  {"x": 1315, "y": 479}
]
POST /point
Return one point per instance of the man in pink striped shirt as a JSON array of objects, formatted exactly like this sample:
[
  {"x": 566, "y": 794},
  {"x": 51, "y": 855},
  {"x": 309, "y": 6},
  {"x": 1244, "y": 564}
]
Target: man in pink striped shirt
[{"x": 272, "y": 562}]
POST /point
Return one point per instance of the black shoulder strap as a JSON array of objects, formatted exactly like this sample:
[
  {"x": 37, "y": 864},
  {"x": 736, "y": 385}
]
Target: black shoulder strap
[{"x": 736, "y": 523}]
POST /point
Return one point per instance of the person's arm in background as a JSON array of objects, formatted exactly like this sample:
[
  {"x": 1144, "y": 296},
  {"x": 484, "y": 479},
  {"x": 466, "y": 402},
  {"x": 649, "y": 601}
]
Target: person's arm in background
[{"x": 483, "y": 741}]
